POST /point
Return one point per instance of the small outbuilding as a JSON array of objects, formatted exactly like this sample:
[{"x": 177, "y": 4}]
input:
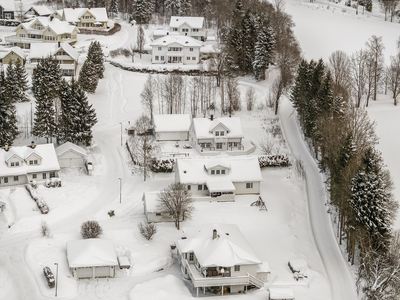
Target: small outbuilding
[
  {"x": 151, "y": 211},
  {"x": 280, "y": 293},
  {"x": 173, "y": 127},
  {"x": 71, "y": 155},
  {"x": 92, "y": 258}
]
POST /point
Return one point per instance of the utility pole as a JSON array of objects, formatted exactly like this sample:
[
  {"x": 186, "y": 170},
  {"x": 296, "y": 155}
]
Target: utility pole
[{"x": 56, "y": 277}]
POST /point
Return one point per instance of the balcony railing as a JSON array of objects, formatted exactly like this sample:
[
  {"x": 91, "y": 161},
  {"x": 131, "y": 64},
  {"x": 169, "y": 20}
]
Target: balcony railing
[{"x": 17, "y": 39}]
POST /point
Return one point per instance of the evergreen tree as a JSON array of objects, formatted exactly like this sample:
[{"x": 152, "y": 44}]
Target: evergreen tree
[
  {"x": 22, "y": 80},
  {"x": 173, "y": 6},
  {"x": 142, "y": 10},
  {"x": 249, "y": 34},
  {"x": 264, "y": 52},
  {"x": 88, "y": 77},
  {"x": 95, "y": 54},
  {"x": 10, "y": 82},
  {"x": 47, "y": 75},
  {"x": 113, "y": 7},
  {"x": 185, "y": 8},
  {"x": 67, "y": 113},
  {"x": 299, "y": 93},
  {"x": 238, "y": 11},
  {"x": 8, "y": 116}
]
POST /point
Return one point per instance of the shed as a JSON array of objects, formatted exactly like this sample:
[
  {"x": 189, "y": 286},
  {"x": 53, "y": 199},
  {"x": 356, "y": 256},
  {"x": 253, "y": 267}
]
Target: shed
[
  {"x": 263, "y": 271},
  {"x": 173, "y": 127},
  {"x": 92, "y": 258},
  {"x": 151, "y": 211},
  {"x": 281, "y": 294},
  {"x": 71, "y": 155}
]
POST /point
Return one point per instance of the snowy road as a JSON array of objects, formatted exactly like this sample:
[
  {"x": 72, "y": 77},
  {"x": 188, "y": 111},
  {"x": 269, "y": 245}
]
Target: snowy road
[{"x": 342, "y": 283}]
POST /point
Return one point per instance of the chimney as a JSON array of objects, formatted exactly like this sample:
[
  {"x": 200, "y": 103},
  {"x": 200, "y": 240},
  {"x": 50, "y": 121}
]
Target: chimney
[
  {"x": 212, "y": 117},
  {"x": 214, "y": 234},
  {"x": 89, "y": 7},
  {"x": 73, "y": 7},
  {"x": 6, "y": 148},
  {"x": 33, "y": 145}
]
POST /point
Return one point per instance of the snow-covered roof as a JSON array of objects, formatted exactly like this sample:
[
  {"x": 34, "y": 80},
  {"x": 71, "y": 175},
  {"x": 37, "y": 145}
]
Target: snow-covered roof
[
  {"x": 41, "y": 10},
  {"x": 209, "y": 49},
  {"x": 91, "y": 253},
  {"x": 70, "y": 146},
  {"x": 16, "y": 50},
  {"x": 193, "y": 22},
  {"x": 160, "y": 32},
  {"x": 263, "y": 268},
  {"x": 171, "y": 123},
  {"x": 220, "y": 185},
  {"x": 212, "y": 163},
  {"x": 74, "y": 14},
  {"x": 7, "y": 5},
  {"x": 228, "y": 249},
  {"x": 45, "y": 151},
  {"x": 243, "y": 169},
  {"x": 281, "y": 293},
  {"x": 185, "y": 41},
  {"x": 204, "y": 127},
  {"x": 151, "y": 201},
  {"x": 57, "y": 26},
  {"x": 42, "y": 50}
]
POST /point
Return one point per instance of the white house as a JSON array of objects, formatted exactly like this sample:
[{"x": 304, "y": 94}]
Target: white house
[
  {"x": 280, "y": 293},
  {"x": 63, "y": 52},
  {"x": 220, "y": 178},
  {"x": 151, "y": 211},
  {"x": 189, "y": 26},
  {"x": 89, "y": 18},
  {"x": 38, "y": 11},
  {"x": 175, "y": 49},
  {"x": 71, "y": 155},
  {"x": 172, "y": 127},
  {"x": 219, "y": 134},
  {"x": 20, "y": 165},
  {"x": 218, "y": 257},
  {"x": 91, "y": 258}
]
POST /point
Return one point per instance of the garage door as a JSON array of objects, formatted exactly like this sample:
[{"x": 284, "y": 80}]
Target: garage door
[
  {"x": 102, "y": 272},
  {"x": 85, "y": 272},
  {"x": 64, "y": 163},
  {"x": 76, "y": 162}
]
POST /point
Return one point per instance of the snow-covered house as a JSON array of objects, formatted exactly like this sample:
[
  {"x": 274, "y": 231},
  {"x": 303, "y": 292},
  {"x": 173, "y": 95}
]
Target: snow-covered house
[
  {"x": 91, "y": 258},
  {"x": 20, "y": 165},
  {"x": 90, "y": 18},
  {"x": 7, "y": 9},
  {"x": 43, "y": 30},
  {"x": 280, "y": 293},
  {"x": 151, "y": 211},
  {"x": 189, "y": 26},
  {"x": 38, "y": 11},
  {"x": 218, "y": 255},
  {"x": 220, "y": 178},
  {"x": 173, "y": 127},
  {"x": 71, "y": 155},
  {"x": 63, "y": 52},
  {"x": 219, "y": 134},
  {"x": 175, "y": 49},
  {"x": 12, "y": 55}
]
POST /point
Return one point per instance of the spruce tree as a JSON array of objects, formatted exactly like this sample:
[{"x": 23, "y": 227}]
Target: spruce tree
[
  {"x": 142, "y": 10},
  {"x": 95, "y": 54},
  {"x": 299, "y": 93},
  {"x": 22, "y": 80},
  {"x": 264, "y": 52},
  {"x": 185, "y": 8},
  {"x": 10, "y": 89},
  {"x": 173, "y": 6},
  {"x": 8, "y": 116},
  {"x": 67, "y": 112},
  {"x": 113, "y": 7},
  {"x": 88, "y": 77}
]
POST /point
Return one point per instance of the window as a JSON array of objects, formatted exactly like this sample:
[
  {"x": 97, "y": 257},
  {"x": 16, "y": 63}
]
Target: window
[
  {"x": 188, "y": 58},
  {"x": 7, "y": 16},
  {"x": 34, "y": 176},
  {"x": 193, "y": 58},
  {"x": 12, "y": 164},
  {"x": 212, "y": 172},
  {"x": 191, "y": 256},
  {"x": 17, "y": 164},
  {"x": 218, "y": 171},
  {"x": 195, "y": 30},
  {"x": 174, "y": 29},
  {"x": 5, "y": 179},
  {"x": 217, "y": 133},
  {"x": 52, "y": 174},
  {"x": 159, "y": 48},
  {"x": 219, "y": 145},
  {"x": 35, "y": 162},
  {"x": 191, "y": 49},
  {"x": 156, "y": 58},
  {"x": 237, "y": 268},
  {"x": 235, "y": 144},
  {"x": 200, "y": 187},
  {"x": 158, "y": 214},
  {"x": 189, "y": 187},
  {"x": 31, "y": 162},
  {"x": 16, "y": 178},
  {"x": 222, "y": 171},
  {"x": 161, "y": 57},
  {"x": 222, "y": 133},
  {"x": 249, "y": 185},
  {"x": 44, "y": 175},
  {"x": 22, "y": 35},
  {"x": 205, "y": 188}
]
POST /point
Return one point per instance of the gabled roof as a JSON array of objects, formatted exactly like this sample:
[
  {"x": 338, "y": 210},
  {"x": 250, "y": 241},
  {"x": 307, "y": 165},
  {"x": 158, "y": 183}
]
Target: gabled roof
[
  {"x": 91, "y": 253},
  {"x": 243, "y": 169},
  {"x": 43, "y": 50},
  {"x": 70, "y": 146},
  {"x": 193, "y": 22},
  {"x": 204, "y": 127},
  {"x": 73, "y": 15},
  {"x": 171, "y": 123},
  {"x": 7, "y": 5},
  {"x": 41, "y": 10},
  {"x": 228, "y": 249},
  {"x": 16, "y": 50},
  {"x": 215, "y": 163},
  {"x": 57, "y": 26},
  {"x": 184, "y": 41}
]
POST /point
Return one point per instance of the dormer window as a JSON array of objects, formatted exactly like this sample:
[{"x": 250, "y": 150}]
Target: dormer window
[
  {"x": 222, "y": 133},
  {"x": 12, "y": 164},
  {"x": 212, "y": 172},
  {"x": 222, "y": 171},
  {"x": 218, "y": 172},
  {"x": 217, "y": 133},
  {"x": 33, "y": 162}
]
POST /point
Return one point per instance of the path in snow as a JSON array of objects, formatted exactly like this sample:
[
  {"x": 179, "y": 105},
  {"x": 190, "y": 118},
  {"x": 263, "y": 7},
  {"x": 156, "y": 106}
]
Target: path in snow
[{"x": 342, "y": 283}]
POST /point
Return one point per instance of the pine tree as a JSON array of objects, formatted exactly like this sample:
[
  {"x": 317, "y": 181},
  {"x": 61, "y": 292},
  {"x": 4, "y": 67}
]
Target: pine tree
[
  {"x": 8, "y": 116},
  {"x": 67, "y": 112},
  {"x": 88, "y": 77},
  {"x": 185, "y": 8},
  {"x": 299, "y": 93},
  {"x": 95, "y": 54},
  {"x": 264, "y": 52},
  {"x": 113, "y": 7},
  {"x": 173, "y": 6},
  {"x": 142, "y": 10},
  {"x": 10, "y": 89},
  {"x": 22, "y": 80}
]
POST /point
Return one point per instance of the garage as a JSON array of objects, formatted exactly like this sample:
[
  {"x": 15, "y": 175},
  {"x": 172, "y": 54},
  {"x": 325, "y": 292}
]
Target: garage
[
  {"x": 91, "y": 258},
  {"x": 172, "y": 127},
  {"x": 70, "y": 155}
]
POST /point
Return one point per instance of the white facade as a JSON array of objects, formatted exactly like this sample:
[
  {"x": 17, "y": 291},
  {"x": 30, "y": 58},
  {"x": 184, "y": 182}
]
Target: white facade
[
  {"x": 189, "y": 26},
  {"x": 172, "y": 127},
  {"x": 151, "y": 211},
  {"x": 175, "y": 49},
  {"x": 70, "y": 155}
]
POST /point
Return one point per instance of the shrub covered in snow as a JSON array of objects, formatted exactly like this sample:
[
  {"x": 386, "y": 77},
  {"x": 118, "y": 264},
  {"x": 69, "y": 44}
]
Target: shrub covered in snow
[
  {"x": 44, "y": 209},
  {"x": 163, "y": 165},
  {"x": 49, "y": 276},
  {"x": 147, "y": 230},
  {"x": 91, "y": 230},
  {"x": 6, "y": 22},
  {"x": 53, "y": 182},
  {"x": 44, "y": 229},
  {"x": 273, "y": 161}
]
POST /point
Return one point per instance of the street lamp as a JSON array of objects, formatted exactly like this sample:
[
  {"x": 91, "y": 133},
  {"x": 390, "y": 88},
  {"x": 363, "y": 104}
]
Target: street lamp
[
  {"x": 120, "y": 187},
  {"x": 56, "y": 277},
  {"x": 121, "y": 132}
]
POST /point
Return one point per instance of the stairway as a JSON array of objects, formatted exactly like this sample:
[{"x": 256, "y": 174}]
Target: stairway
[{"x": 255, "y": 281}]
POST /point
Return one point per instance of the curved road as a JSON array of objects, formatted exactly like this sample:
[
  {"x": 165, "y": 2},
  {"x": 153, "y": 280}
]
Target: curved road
[{"x": 342, "y": 283}]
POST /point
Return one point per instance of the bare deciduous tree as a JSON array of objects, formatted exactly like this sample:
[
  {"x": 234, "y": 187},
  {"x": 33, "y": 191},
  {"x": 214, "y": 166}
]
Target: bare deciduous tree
[
  {"x": 251, "y": 98},
  {"x": 375, "y": 47},
  {"x": 44, "y": 229},
  {"x": 91, "y": 230},
  {"x": 394, "y": 76},
  {"x": 358, "y": 74},
  {"x": 148, "y": 96},
  {"x": 339, "y": 65},
  {"x": 176, "y": 201},
  {"x": 140, "y": 40},
  {"x": 147, "y": 230}
]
